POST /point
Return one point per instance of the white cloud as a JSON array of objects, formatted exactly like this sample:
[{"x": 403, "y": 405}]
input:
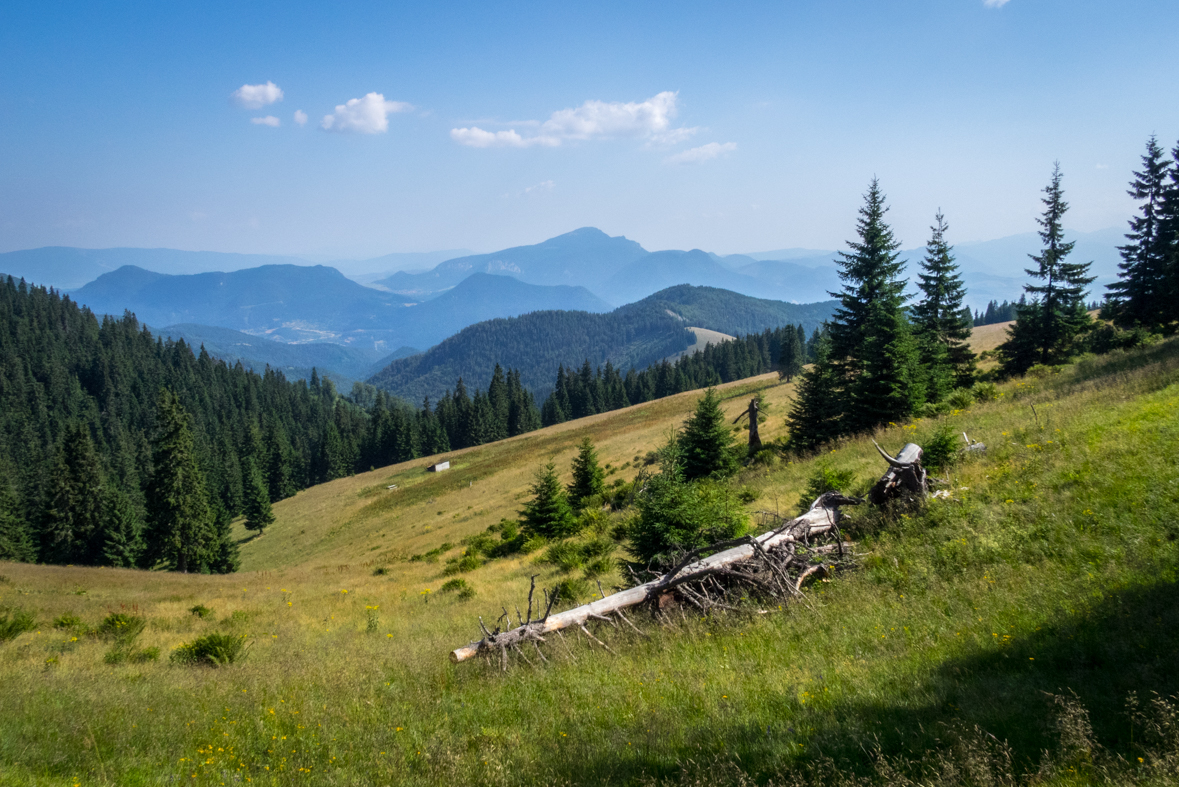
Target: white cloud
[
  {"x": 701, "y": 154},
  {"x": 300, "y": 117},
  {"x": 650, "y": 119},
  {"x": 269, "y": 120},
  {"x": 995, "y": 3},
  {"x": 544, "y": 185},
  {"x": 368, "y": 115},
  {"x": 476, "y": 137},
  {"x": 257, "y": 96}
]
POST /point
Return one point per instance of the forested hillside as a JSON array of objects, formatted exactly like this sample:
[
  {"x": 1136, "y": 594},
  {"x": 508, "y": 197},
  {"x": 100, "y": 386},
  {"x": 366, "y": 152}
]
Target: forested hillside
[
  {"x": 89, "y": 410},
  {"x": 636, "y": 335}
]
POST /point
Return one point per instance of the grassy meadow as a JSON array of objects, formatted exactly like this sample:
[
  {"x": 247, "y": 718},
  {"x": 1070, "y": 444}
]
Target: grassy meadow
[{"x": 1024, "y": 626}]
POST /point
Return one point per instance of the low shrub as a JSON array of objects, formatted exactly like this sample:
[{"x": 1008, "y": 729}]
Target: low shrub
[
  {"x": 747, "y": 494},
  {"x": 460, "y": 587},
  {"x": 960, "y": 399},
  {"x": 599, "y": 567},
  {"x": 213, "y": 650},
  {"x": 985, "y": 392},
  {"x": 121, "y": 627},
  {"x": 677, "y": 516},
  {"x": 461, "y": 565},
  {"x": 825, "y": 479},
  {"x": 933, "y": 409},
  {"x": 380, "y": 571},
  {"x": 564, "y": 555},
  {"x": 942, "y": 449},
  {"x": 201, "y": 611},
  {"x": 453, "y": 585},
  {"x": 571, "y": 590},
  {"x": 68, "y": 621},
  {"x": 15, "y": 622}
]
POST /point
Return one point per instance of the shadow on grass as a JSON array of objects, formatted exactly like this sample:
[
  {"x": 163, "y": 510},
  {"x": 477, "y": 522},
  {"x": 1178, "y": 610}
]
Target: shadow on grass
[{"x": 1127, "y": 642}]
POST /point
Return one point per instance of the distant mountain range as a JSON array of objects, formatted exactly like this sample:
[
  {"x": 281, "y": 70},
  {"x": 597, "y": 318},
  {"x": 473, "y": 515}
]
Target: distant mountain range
[
  {"x": 67, "y": 268},
  {"x": 621, "y": 271},
  {"x": 293, "y": 303},
  {"x": 286, "y": 300},
  {"x": 635, "y": 335}
]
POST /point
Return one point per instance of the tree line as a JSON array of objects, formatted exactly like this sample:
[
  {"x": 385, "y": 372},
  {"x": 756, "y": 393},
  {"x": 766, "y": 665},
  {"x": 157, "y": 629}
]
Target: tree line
[{"x": 588, "y": 391}]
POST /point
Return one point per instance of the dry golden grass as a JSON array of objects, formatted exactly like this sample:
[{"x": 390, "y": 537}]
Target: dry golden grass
[{"x": 358, "y": 522}]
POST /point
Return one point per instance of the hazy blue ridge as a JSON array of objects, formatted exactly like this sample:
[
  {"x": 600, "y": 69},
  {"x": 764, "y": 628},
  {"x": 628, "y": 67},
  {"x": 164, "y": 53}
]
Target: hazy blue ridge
[
  {"x": 634, "y": 335},
  {"x": 315, "y": 303}
]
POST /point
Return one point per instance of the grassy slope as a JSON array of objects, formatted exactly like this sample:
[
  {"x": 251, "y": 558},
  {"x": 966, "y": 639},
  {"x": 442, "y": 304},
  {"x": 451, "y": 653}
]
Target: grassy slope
[{"x": 1051, "y": 568}]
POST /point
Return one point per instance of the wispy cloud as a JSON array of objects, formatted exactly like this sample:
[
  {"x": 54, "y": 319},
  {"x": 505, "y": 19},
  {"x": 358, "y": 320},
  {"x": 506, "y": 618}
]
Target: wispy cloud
[
  {"x": 300, "y": 117},
  {"x": 257, "y": 96},
  {"x": 995, "y": 3},
  {"x": 650, "y": 119},
  {"x": 544, "y": 185},
  {"x": 368, "y": 115},
  {"x": 269, "y": 120},
  {"x": 701, "y": 154},
  {"x": 475, "y": 137}
]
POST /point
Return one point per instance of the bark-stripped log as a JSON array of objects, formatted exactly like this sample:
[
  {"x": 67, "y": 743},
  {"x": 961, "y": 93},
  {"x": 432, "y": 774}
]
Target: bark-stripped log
[{"x": 823, "y": 516}]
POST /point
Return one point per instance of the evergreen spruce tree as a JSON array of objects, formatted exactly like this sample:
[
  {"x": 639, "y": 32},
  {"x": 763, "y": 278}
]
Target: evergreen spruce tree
[
  {"x": 588, "y": 477},
  {"x": 548, "y": 513},
  {"x": 1058, "y": 317},
  {"x": 1142, "y": 293},
  {"x": 941, "y": 330},
  {"x": 15, "y": 542},
  {"x": 815, "y": 414},
  {"x": 179, "y": 529},
  {"x": 259, "y": 514},
  {"x": 873, "y": 353},
  {"x": 224, "y": 556},
  {"x": 707, "y": 448},
  {"x": 122, "y": 544},
  {"x": 278, "y": 462},
  {"x": 790, "y": 361},
  {"x": 71, "y": 524},
  {"x": 1169, "y": 236}
]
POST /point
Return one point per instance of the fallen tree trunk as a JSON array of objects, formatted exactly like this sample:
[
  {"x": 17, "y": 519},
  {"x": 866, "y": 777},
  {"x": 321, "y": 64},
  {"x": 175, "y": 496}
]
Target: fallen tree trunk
[{"x": 822, "y": 517}]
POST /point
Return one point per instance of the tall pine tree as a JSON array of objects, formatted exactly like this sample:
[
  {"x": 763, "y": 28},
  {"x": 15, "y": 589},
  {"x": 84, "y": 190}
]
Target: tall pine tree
[
  {"x": 259, "y": 514},
  {"x": 1142, "y": 294},
  {"x": 873, "y": 353},
  {"x": 790, "y": 359},
  {"x": 122, "y": 543},
  {"x": 71, "y": 524},
  {"x": 1046, "y": 331},
  {"x": 815, "y": 415},
  {"x": 15, "y": 542},
  {"x": 180, "y": 530},
  {"x": 941, "y": 329}
]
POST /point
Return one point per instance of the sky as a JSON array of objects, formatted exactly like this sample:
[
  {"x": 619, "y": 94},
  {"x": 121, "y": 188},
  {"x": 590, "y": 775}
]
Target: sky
[{"x": 354, "y": 129}]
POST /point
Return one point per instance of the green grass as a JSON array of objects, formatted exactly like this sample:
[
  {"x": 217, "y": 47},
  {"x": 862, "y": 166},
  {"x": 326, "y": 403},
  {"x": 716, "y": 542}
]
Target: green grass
[{"x": 1050, "y": 572}]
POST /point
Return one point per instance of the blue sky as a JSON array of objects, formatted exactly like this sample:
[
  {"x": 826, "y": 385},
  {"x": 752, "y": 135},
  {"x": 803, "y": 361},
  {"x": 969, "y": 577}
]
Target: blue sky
[{"x": 728, "y": 127}]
